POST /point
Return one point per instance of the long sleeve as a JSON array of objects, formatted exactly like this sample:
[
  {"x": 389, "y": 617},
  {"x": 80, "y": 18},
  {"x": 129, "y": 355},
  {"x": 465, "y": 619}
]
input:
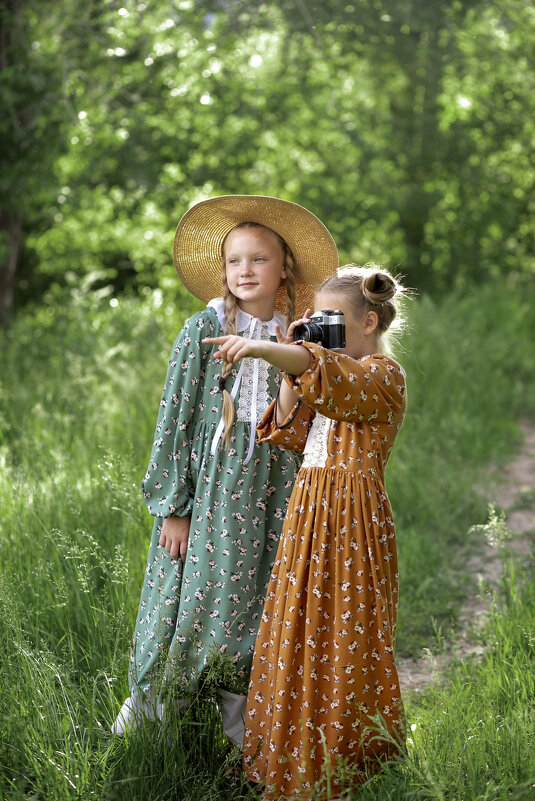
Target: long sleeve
[
  {"x": 292, "y": 433},
  {"x": 167, "y": 486},
  {"x": 337, "y": 386}
]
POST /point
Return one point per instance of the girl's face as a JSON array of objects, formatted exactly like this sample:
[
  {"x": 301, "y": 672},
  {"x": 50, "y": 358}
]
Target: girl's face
[
  {"x": 361, "y": 334},
  {"x": 254, "y": 265}
]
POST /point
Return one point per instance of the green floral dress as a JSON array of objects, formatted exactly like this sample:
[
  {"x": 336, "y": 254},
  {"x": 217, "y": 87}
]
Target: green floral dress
[{"x": 191, "y": 614}]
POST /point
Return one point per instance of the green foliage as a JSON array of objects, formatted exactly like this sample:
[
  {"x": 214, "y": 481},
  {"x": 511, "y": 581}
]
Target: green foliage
[
  {"x": 407, "y": 128},
  {"x": 31, "y": 125}
]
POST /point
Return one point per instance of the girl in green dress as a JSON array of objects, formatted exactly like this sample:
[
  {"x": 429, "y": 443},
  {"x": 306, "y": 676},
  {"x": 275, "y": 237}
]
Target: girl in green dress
[{"x": 217, "y": 495}]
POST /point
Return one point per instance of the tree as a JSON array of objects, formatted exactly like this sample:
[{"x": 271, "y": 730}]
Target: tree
[
  {"x": 406, "y": 127},
  {"x": 30, "y": 127}
]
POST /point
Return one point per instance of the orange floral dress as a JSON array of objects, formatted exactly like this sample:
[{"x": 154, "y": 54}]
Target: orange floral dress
[{"x": 324, "y": 657}]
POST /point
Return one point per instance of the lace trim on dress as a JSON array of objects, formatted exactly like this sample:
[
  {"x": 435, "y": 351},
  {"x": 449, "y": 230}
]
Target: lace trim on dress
[
  {"x": 315, "y": 451},
  {"x": 245, "y": 400}
]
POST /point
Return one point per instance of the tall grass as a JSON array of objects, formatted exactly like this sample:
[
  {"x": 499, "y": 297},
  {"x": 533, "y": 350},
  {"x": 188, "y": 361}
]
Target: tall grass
[
  {"x": 474, "y": 738},
  {"x": 470, "y": 382},
  {"x": 79, "y": 390}
]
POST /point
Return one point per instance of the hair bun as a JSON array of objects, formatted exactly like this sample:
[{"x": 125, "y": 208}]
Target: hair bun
[{"x": 378, "y": 287}]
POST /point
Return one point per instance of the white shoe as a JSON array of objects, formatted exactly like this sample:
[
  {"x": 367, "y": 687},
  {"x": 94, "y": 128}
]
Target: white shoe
[
  {"x": 232, "y": 708},
  {"x": 135, "y": 710}
]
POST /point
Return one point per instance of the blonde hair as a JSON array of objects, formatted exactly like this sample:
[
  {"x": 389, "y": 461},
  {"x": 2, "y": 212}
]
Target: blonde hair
[
  {"x": 231, "y": 314},
  {"x": 372, "y": 288}
]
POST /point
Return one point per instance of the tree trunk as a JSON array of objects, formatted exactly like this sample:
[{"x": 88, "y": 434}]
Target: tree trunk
[
  {"x": 11, "y": 233},
  {"x": 10, "y": 221}
]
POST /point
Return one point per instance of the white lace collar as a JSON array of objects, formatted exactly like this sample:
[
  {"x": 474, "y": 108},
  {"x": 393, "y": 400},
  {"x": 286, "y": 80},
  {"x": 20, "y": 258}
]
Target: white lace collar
[{"x": 244, "y": 319}]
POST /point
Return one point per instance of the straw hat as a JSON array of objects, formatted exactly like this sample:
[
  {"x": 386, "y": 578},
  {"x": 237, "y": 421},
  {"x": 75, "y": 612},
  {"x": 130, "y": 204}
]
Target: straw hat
[{"x": 202, "y": 229}]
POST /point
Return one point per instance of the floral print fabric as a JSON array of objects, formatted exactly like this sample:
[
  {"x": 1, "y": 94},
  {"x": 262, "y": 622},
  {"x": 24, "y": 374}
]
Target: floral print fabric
[
  {"x": 190, "y": 614},
  {"x": 324, "y": 657}
]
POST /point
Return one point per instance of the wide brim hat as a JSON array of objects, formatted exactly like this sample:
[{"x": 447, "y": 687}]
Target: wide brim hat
[{"x": 199, "y": 237}]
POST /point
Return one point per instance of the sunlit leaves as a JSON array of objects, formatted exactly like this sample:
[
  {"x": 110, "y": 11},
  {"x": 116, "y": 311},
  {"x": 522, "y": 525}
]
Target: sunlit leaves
[{"x": 408, "y": 129}]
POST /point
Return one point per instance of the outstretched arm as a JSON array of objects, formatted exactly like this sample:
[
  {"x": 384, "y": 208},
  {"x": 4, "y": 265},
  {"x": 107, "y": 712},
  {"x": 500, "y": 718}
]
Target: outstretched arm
[
  {"x": 292, "y": 359},
  {"x": 282, "y": 354}
]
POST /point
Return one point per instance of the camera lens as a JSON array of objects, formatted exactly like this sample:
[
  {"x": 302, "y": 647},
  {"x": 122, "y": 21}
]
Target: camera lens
[{"x": 308, "y": 332}]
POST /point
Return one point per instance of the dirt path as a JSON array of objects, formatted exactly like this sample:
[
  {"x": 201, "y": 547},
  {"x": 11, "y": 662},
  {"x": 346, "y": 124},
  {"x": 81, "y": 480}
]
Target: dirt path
[{"x": 515, "y": 494}]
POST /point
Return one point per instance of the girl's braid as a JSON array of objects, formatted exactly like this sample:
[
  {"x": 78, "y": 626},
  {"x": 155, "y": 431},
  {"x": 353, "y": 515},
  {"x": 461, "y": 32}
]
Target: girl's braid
[
  {"x": 228, "y": 412},
  {"x": 289, "y": 267}
]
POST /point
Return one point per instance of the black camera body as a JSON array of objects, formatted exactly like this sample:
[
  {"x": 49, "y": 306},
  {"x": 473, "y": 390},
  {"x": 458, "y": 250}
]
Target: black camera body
[{"x": 327, "y": 327}]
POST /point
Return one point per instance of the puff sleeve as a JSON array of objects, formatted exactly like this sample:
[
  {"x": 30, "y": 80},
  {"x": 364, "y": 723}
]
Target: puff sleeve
[
  {"x": 337, "y": 386},
  {"x": 167, "y": 485},
  {"x": 292, "y": 433}
]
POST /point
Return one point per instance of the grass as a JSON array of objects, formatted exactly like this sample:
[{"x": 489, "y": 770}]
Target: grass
[
  {"x": 473, "y": 738},
  {"x": 79, "y": 389},
  {"x": 468, "y": 387}
]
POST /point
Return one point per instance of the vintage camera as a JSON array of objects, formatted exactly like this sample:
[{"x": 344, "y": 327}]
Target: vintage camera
[{"x": 326, "y": 327}]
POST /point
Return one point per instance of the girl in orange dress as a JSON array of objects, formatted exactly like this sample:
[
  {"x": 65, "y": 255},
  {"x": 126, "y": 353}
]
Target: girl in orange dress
[{"x": 324, "y": 690}]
